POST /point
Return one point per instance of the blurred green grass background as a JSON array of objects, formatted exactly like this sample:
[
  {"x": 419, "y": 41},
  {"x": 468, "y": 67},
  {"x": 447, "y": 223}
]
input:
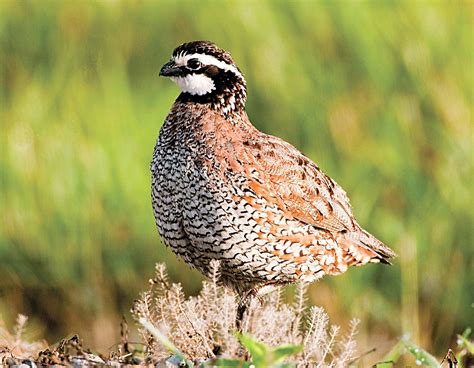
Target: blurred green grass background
[{"x": 378, "y": 93}]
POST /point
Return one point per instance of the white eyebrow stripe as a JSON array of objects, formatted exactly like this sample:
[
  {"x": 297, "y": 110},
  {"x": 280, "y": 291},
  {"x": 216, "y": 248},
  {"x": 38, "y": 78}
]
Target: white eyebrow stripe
[{"x": 207, "y": 60}]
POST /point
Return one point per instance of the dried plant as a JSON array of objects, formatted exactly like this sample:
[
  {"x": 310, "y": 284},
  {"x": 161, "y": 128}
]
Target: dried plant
[
  {"x": 203, "y": 327},
  {"x": 14, "y": 344}
]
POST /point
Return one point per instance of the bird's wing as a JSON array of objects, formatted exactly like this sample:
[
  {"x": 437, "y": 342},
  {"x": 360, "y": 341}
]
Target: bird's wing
[
  {"x": 282, "y": 174},
  {"x": 278, "y": 172}
]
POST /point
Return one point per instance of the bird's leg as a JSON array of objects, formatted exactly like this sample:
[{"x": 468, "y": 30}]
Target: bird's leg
[
  {"x": 242, "y": 308},
  {"x": 246, "y": 301}
]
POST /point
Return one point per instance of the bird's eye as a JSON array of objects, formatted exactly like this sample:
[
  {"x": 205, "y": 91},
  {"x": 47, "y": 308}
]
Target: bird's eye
[{"x": 194, "y": 63}]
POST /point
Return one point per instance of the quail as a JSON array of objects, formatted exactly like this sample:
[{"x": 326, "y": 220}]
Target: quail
[{"x": 222, "y": 190}]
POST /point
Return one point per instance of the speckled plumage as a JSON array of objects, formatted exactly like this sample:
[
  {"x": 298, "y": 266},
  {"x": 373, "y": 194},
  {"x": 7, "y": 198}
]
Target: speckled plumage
[{"x": 223, "y": 190}]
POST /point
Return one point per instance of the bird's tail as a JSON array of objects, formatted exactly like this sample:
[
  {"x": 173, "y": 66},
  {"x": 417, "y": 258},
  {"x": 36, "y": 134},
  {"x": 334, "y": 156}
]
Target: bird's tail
[{"x": 362, "y": 247}]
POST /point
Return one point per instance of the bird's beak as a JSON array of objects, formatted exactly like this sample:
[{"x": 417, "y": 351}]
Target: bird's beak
[{"x": 170, "y": 69}]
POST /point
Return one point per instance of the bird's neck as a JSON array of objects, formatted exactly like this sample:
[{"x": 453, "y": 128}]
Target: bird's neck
[{"x": 227, "y": 98}]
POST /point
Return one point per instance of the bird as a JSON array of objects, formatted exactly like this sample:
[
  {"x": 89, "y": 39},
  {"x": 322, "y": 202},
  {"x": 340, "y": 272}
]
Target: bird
[{"x": 222, "y": 190}]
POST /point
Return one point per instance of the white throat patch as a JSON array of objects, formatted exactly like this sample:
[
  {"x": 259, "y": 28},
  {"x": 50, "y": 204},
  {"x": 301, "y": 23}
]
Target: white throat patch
[{"x": 195, "y": 84}]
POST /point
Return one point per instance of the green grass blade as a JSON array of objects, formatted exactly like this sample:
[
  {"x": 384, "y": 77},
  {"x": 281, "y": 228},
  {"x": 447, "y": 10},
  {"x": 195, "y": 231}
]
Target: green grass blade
[
  {"x": 164, "y": 341},
  {"x": 392, "y": 356},
  {"x": 422, "y": 356},
  {"x": 464, "y": 342}
]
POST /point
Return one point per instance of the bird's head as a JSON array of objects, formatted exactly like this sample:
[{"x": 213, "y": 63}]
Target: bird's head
[{"x": 207, "y": 74}]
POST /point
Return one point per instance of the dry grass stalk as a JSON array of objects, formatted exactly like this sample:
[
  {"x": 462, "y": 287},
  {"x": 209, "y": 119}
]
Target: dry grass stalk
[
  {"x": 15, "y": 345},
  {"x": 203, "y": 327}
]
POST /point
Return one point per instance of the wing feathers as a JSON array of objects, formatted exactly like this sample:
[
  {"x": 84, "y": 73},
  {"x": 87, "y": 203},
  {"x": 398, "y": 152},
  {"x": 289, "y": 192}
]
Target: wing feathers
[{"x": 306, "y": 193}]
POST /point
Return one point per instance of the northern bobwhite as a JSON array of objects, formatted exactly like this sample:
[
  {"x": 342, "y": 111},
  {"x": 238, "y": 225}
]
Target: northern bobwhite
[{"x": 223, "y": 190}]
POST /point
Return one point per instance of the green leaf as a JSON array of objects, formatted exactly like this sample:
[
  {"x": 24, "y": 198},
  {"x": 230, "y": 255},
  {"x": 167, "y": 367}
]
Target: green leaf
[
  {"x": 284, "y": 351},
  {"x": 231, "y": 363},
  {"x": 258, "y": 350},
  {"x": 263, "y": 356},
  {"x": 255, "y": 347}
]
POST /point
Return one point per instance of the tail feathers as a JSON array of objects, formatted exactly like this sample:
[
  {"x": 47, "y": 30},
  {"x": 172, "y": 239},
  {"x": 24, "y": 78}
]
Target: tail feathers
[{"x": 363, "y": 247}]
